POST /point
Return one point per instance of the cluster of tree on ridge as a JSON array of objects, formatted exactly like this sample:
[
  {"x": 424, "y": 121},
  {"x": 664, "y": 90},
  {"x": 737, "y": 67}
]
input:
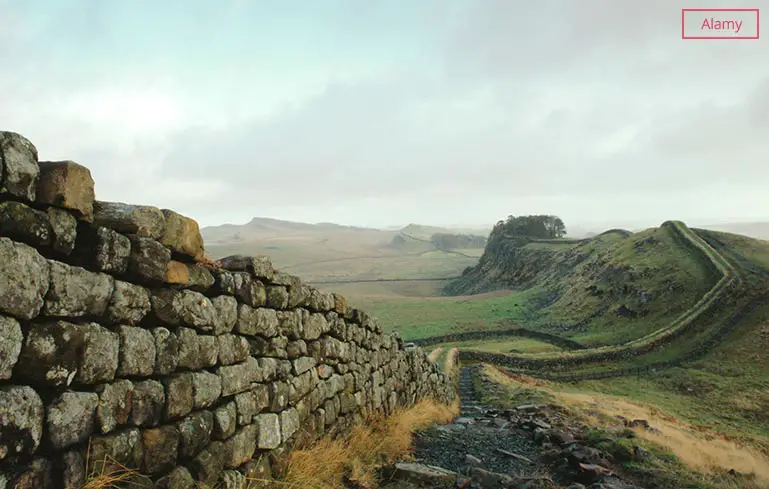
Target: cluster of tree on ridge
[{"x": 539, "y": 226}]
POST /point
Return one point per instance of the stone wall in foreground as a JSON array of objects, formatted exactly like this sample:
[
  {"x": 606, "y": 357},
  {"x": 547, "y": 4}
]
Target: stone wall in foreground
[{"x": 119, "y": 342}]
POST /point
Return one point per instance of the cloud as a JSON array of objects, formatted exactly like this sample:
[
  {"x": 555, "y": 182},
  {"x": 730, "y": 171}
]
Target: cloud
[{"x": 492, "y": 108}]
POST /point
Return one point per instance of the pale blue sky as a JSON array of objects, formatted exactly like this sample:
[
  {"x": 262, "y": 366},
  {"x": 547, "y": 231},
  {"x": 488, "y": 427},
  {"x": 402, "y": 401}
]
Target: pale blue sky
[{"x": 392, "y": 111}]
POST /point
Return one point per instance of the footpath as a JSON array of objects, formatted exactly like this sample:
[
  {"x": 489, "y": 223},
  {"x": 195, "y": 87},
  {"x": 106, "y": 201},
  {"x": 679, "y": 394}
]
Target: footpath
[{"x": 533, "y": 446}]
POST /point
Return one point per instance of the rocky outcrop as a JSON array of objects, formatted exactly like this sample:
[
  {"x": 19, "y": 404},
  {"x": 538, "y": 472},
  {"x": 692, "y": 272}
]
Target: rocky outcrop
[{"x": 117, "y": 345}]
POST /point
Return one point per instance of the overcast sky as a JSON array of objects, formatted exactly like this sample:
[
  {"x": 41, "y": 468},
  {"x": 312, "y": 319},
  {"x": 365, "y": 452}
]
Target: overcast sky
[{"x": 394, "y": 111}]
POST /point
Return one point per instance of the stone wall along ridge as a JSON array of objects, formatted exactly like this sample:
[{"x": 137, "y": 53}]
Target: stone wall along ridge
[{"x": 121, "y": 342}]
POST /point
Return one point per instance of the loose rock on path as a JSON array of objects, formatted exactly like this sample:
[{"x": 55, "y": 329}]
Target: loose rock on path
[{"x": 526, "y": 447}]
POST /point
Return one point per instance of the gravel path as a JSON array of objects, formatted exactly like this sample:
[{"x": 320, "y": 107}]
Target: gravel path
[{"x": 481, "y": 433}]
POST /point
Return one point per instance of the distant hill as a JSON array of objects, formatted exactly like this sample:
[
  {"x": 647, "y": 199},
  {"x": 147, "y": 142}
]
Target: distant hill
[
  {"x": 425, "y": 232},
  {"x": 325, "y": 251}
]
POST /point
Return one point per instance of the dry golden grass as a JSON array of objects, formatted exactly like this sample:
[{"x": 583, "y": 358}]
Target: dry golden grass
[
  {"x": 108, "y": 473},
  {"x": 328, "y": 463},
  {"x": 433, "y": 356},
  {"x": 450, "y": 365},
  {"x": 702, "y": 451}
]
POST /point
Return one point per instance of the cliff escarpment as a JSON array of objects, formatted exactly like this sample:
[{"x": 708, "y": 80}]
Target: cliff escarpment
[
  {"x": 608, "y": 280},
  {"x": 122, "y": 345}
]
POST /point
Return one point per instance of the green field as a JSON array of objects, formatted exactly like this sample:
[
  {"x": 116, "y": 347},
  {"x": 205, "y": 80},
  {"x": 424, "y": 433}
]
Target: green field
[
  {"x": 505, "y": 345},
  {"x": 421, "y": 317}
]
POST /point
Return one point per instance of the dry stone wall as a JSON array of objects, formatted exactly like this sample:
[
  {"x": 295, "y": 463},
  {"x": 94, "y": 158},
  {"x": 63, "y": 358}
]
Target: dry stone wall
[{"x": 120, "y": 343}]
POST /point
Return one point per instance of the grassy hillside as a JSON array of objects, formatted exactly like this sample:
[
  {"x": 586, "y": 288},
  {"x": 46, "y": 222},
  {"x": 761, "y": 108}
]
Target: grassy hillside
[{"x": 605, "y": 290}]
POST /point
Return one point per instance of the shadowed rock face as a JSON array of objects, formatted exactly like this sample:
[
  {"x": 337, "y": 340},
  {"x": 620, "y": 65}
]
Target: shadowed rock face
[{"x": 117, "y": 342}]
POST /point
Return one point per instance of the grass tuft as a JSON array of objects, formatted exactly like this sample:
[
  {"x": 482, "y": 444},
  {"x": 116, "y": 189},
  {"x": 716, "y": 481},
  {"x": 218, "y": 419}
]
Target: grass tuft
[
  {"x": 333, "y": 463},
  {"x": 108, "y": 473}
]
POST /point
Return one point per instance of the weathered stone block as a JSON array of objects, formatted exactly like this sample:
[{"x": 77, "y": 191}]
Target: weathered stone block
[
  {"x": 148, "y": 260},
  {"x": 38, "y": 474},
  {"x": 115, "y": 403},
  {"x": 325, "y": 371},
  {"x": 238, "y": 378},
  {"x": 321, "y": 301},
  {"x": 314, "y": 326},
  {"x": 347, "y": 403},
  {"x": 331, "y": 412},
  {"x": 184, "y": 308},
  {"x": 24, "y": 279},
  {"x": 182, "y": 235},
  {"x": 23, "y": 223},
  {"x": 73, "y": 469},
  {"x": 21, "y": 421},
  {"x": 241, "y": 446},
  {"x": 232, "y": 349},
  {"x": 207, "y": 389},
  {"x": 11, "y": 340},
  {"x": 299, "y": 295},
  {"x": 329, "y": 348},
  {"x": 147, "y": 403},
  {"x": 248, "y": 290},
  {"x": 124, "y": 447},
  {"x": 179, "y": 395},
  {"x": 260, "y": 266},
  {"x": 100, "y": 355},
  {"x": 302, "y": 365},
  {"x": 63, "y": 230},
  {"x": 189, "y": 348},
  {"x": 251, "y": 403},
  {"x": 300, "y": 386},
  {"x": 340, "y": 304},
  {"x": 103, "y": 249},
  {"x": 209, "y": 350},
  {"x": 76, "y": 292},
  {"x": 129, "y": 303},
  {"x": 68, "y": 185},
  {"x": 138, "y": 220},
  {"x": 224, "y": 282},
  {"x": 269, "y": 368},
  {"x": 189, "y": 276},
  {"x": 179, "y": 478},
  {"x": 160, "y": 447},
  {"x": 225, "y": 421},
  {"x": 137, "y": 352},
  {"x": 296, "y": 349},
  {"x": 268, "y": 436},
  {"x": 70, "y": 418},
  {"x": 283, "y": 370},
  {"x": 279, "y": 395},
  {"x": 277, "y": 297},
  {"x": 226, "y": 313},
  {"x": 334, "y": 385},
  {"x": 291, "y": 324},
  {"x": 259, "y": 321},
  {"x": 19, "y": 170},
  {"x": 275, "y": 347},
  {"x": 195, "y": 431},
  {"x": 207, "y": 466},
  {"x": 51, "y": 354},
  {"x": 289, "y": 423},
  {"x": 166, "y": 351}
]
